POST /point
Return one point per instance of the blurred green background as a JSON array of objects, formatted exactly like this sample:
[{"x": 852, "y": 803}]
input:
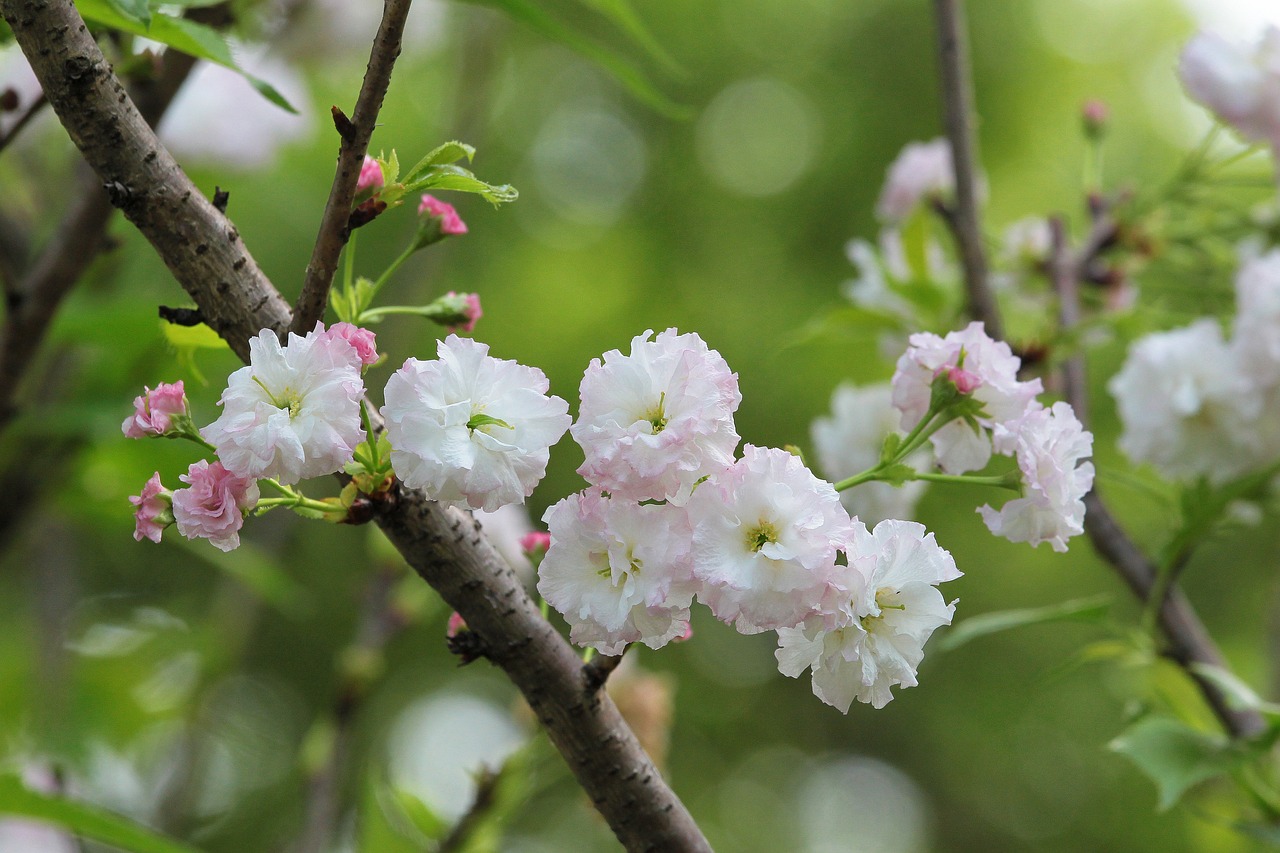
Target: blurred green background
[{"x": 137, "y": 668}]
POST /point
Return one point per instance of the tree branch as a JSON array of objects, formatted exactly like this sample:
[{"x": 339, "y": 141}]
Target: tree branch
[
  {"x": 1189, "y": 641},
  {"x": 444, "y": 546},
  {"x": 23, "y": 120},
  {"x": 355, "y": 143},
  {"x": 965, "y": 221}
]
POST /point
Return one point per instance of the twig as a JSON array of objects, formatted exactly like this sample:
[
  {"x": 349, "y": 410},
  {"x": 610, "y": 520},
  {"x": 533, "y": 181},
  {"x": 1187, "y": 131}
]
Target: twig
[
  {"x": 486, "y": 792},
  {"x": 597, "y": 671},
  {"x": 444, "y": 546},
  {"x": 355, "y": 143},
  {"x": 965, "y": 222},
  {"x": 24, "y": 119},
  {"x": 1189, "y": 641}
]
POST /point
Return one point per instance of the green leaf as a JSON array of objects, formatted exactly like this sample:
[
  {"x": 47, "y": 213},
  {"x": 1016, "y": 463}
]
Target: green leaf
[
  {"x": 537, "y": 19},
  {"x": 137, "y": 10},
  {"x": 624, "y": 16},
  {"x": 180, "y": 34},
  {"x": 1239, "y": 695},
  {"x": 441, "y": 155},
  {"x": 84, "y": 820},
  {"x": 1093, "y": 609},
  {"x": 461, "y": 180},
  {"x": 1175, "y": 756},
  {"x": 6, "y": 34}
]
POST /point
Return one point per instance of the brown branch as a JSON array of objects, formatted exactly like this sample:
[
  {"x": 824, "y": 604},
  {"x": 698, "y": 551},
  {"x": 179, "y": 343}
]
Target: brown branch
[
  {"x": 965, "y": 221},
  {"x": 597, "y": 671},
  {"x": 1189, "y": 641},
  {"x": 196, "y": 241},
  {"x": 355, "y": 143},
  {"x": 23, "y": 120},
  {"x": 444, "y": 546}
]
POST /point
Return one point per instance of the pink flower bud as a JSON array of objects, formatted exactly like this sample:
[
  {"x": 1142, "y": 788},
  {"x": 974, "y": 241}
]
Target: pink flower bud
[
  {"x": 370, "y": 175},
  {"x": 471, "y": 311},
  {"x": 965, "y": 382},
  {"x": 361, "y": 339},
  {"x": 456, "y": 625},
  {"x": 213, "y": 506},
  {"x": 450, "y": 221},
  {"x": 535, "y": 543},
  {"x": 154, "y": 510},
  {"x": 155, "y": 410},
  {"x": 1094, "y": 114}
]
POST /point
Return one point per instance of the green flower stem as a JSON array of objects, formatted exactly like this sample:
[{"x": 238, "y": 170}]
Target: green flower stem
[
  {"x": 374, "y": 314},
  {"x": 293, "y": 499},
  {"x": 186, "y": 428},
  {"x": 588, "y": 654},
  {"x": 1012, "y": 480},
  {"x": 912, "y": 442},
  {"x": 387, "y": 273}
]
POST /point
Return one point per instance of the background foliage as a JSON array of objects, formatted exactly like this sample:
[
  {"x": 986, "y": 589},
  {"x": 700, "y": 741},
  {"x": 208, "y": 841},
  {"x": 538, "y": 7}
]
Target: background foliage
[{"x": 717, "y": 199}]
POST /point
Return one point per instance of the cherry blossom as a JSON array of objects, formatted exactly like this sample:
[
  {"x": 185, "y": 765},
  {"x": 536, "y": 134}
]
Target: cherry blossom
[
  {"x": 213, "y": 505},
  {"x": 294, "y": 411},
  {"x": 370, "y": 175},
  {"x": 362, "y": 340},
  {"x": 874, "y": 638},
  {"x": 765, "y": 535},
  {"x": 619, "y": 571},
  {"x": 470, "y": 429},
  {"x": 921, "y": 170},
  {"x": 154, "y": 510},
  {"x": 1240, "y": 84},
  {"x": 450, "y": 222},
  {"x": 155, "y": 411},
  {"x": 654, "y": 422}
]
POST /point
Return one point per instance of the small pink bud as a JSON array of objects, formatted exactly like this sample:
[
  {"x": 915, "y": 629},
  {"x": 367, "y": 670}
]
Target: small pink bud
[
  {"x": 450, "y": 221},
  {"x": 535, "y": 543},
  {"x": 370, "y": 175},
  {"x": 456, "y": 625},
  {"x": 1094, "y": 114},
  {"x": 472, "y": 312},
  {"x": 361, "y": 339},
  {"x": 154, "y": 510},
  {"x": 965, "y": 382},
  {"x": 155, "y": 410}
]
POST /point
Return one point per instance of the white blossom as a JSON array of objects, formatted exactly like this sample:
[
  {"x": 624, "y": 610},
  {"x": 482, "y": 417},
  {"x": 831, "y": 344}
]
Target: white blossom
[
  {"x": 849, "y": 442},
  {"x": 765, "y": 535},
  {"x": 922, "y": 169},
  {"x": 959, "y": 447},
  {"x": 1186, "y": 404},
  {"x": 1240, "y": 84},
  {"x": 1048, "y": 444},
  {"x": 874, "y": 639},
  {"x": 619, "y": 571},
  {"x": 470, "y": 429},
  {"x": 293, "y": 412},
  {"x": 654, "y": 422}
]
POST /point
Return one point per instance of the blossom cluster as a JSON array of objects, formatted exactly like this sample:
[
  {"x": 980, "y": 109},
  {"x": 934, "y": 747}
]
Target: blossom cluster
[
  {"x": 670, "y": 515},
  {"x": 1193, "y": 403}
]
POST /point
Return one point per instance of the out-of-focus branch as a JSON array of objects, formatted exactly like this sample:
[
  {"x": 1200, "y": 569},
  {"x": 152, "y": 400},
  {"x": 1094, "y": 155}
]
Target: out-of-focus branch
[
  {"x": 355, "y": 143},
  {"x": 444, "y": 546},
  {"x": 201, "y": 247},
  {"x": 965, "y": 219},
  {"x": 23, "y": 120},
  {"x": 1189, "y": 641}
]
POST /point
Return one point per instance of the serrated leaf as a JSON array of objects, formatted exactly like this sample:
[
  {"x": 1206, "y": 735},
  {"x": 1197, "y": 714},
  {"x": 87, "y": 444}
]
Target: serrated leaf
[
  {"x": 461, "y": 180},
  {"x": 181, "y": 34},
  {"x": 538, "y": 20},
  {"x": 889, "y": 449},
  {"x": 1093, "y": 609},
  {"x": 1175, "y": 756},
  {"x": 84, "y": 820},
  {"x": 441, "y": 155}
]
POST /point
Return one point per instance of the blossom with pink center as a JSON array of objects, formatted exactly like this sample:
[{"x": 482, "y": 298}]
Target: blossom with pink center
[
  {"x": 470, "y": 429},
  {"x": 450, "y": 222},
  {"x": 213, "y": 505},
  {"x": 922, "y": 170},
  {"x": 654, "y": 422},
  {"x": 765, "y": 536},
  {"x": 1240, "y": 84},
  {"x": 360, "y": 339},
  {"x": 471, "y": 312},
  {"x": 619, "y": 571},
  {"x": 990, "y": 368},
  {"x": 873, "y": 638},
  {"x": 1048, "y": 444},
  {"x": 155, "y": 411},
  {"x": 294, "y": 411},
  {"x": 370, "y": 175},
  {"x": 154, "y": 510}
]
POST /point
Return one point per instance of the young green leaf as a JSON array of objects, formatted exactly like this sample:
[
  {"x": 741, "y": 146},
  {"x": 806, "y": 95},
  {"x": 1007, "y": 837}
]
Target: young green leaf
[
  {"x": 1176, "y": 756},
  {"x": 441, "y": 155},
  {"x": 1091, "y": 610}
]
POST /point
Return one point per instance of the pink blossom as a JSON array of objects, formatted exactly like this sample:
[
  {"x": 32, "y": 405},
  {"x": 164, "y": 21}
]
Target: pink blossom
[
  {"x": 153, "y": 513},
  {"x": 450, "y": 222},
  {"x": 654, "y": 422},
  {"x": 361, "y": 339},
  {"x": 471, "y": 311},
  {"x": 990, "y": 364},
  {"x": 922, "y": 170},
  {"x": 765, "y": 536},
  {"x": 455, "y": 626},
  {"x": 370, "y": 175},
  {"x": 535, "y": 542},
  {"x": 213, "y": 505},
  {"x": 155, "y": 410}
]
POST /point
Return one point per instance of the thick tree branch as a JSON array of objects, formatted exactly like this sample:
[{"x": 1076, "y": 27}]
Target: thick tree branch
[
  {"x": 444, "y": 546},
  {"x": 1189, "y": 641},
  {"x": 355, "y": 143},
  {"x": 201, "y": 247},
  {"x": 965, "y": 219}
]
